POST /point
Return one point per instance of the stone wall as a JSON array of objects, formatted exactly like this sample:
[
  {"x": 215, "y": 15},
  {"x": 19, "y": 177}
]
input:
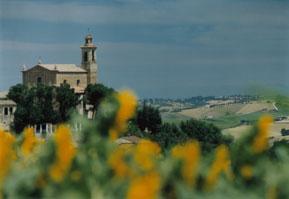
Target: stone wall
[
  {"x": 54, "y": 78},
  {"x": 30, "y": 77},
  {"x": 91, "y": 69},
  {"x": 89, "y": 64},
  {"x": 7, "y": 109},
  {"x": 72, "y": 79}
]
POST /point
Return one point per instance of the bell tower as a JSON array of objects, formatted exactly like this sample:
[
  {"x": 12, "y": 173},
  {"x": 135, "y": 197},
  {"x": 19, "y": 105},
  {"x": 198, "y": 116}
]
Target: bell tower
[{"x": 88, "y": 59}]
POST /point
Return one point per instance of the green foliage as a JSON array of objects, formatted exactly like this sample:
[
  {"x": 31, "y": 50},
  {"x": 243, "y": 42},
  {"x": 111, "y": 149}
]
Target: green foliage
[
  {"x": 267, "y": 177},
  {"x": 207, "y": 134},
  {"x": 20, "y": 119},
  {"x": 282, "y": 101},
  {"x": 21, "y": 95},
  {"x": 67, "y": 100},
  {"x": 279, "y": 147},
  {"x": 44, "y": 103},
  {"x": 17, "y": 93},
  {"x": 149, "y": 118},
  {"x": 106, "y": 114},
  {"x": 134, "y": 130},
  {"x": 169, "y": 136},
  {"x": 280, "y": 97},
  {"x": 95, "y": 93},
  {"x": 36, "y": 105}
]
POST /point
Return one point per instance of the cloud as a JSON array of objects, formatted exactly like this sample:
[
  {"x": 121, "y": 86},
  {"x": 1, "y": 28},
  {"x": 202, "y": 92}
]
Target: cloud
[
  {"x": 29, "y": 46},
  {"x": 156, "y": 45},
  {"x": 146, "y": 12}
]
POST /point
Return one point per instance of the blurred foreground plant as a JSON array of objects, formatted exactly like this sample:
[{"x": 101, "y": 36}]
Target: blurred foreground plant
[{"x": 90, "y": 165}]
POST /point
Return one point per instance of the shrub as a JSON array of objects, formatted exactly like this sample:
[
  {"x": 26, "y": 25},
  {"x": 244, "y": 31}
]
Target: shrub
[{"x": 93, "y": 166}]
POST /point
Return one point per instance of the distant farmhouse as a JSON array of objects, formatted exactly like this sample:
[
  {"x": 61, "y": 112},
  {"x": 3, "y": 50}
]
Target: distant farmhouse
[
  {"x": 78, "y": 77},
  {"x": 7, "y": 109}
]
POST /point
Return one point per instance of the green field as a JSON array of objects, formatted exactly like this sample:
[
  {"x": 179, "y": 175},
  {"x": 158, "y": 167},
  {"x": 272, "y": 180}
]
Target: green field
[
  {"x": 229, "y": 116},
  {"x": 174, "y": 117},
  {"x": 235, "y": 120},
  {"x": 223, "y": 122}
]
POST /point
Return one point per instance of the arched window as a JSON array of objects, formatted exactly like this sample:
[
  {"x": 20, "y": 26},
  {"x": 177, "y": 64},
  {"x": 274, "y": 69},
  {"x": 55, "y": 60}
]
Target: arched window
[
  {"x": 85, "y": 56},
  {"x": 65, "y": 81},
  {"x": 78, "y": 82}
]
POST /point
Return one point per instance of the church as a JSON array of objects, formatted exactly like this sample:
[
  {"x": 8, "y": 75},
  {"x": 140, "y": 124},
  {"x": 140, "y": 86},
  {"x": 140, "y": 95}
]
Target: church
[{"x": 78, "y": 77}]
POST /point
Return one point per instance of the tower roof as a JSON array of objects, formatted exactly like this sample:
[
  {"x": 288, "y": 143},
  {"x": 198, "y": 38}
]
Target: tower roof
[
  {"x": 89, "y": 36},
  {"x": 88, "y": 42},
  {"x": 62, "y": 67}
]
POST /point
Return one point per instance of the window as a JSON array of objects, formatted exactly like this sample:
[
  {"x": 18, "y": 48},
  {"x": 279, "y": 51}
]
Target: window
[
  {"x": 85, "y": 56},
  {"x": 6, "y": 111},
  {"x": 78, "y": 82},
  {"x": 65, "y": 81},
  {"x": 11, "y": 110},
  {"x": 39, "y": 80},
  {"x": 93, "y": 57}
]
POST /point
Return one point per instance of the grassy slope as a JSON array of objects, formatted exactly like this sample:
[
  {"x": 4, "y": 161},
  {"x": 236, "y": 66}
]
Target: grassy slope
[
  {"x": 227, "y": 121},
  {"x": 226, "y": 118},
  {"x": 216, "y": 112},
  {"x": 174, "y": 117},
  {"x": 234, "y": 120}
]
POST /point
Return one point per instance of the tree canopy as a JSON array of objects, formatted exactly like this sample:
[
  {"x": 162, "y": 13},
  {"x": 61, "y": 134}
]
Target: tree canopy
[
  {"x": 149, "y": 118},
  {"x": 95, "y": 93},
  {"x": 67, "y": 100},
  {"x": 41, "y": 104},
  {"x": 208, "y": 135}
]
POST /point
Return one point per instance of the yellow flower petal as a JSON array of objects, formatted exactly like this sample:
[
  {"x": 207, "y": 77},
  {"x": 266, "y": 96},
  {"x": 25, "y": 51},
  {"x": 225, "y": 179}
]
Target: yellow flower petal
[
  {"x": 247, "y": 171},
  {"x": 65, "y": 152},
  {"x": 260, "y": 142},
  {"x": 127, "y": 106},
  {"x": 7, "y": 154},
  {"x": 144, "y": 187},
  {"x": 29, "y": 143},
  {"x": 145, "y": 153},
  {"x": 190, "y": 154},
  {"x": 221, "y": 164}
]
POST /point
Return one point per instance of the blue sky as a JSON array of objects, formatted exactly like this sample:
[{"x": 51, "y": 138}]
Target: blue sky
[{"x": 159, "y": 48}]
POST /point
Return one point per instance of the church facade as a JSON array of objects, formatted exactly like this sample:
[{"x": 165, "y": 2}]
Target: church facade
[{"x": 78, "y": 77}]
